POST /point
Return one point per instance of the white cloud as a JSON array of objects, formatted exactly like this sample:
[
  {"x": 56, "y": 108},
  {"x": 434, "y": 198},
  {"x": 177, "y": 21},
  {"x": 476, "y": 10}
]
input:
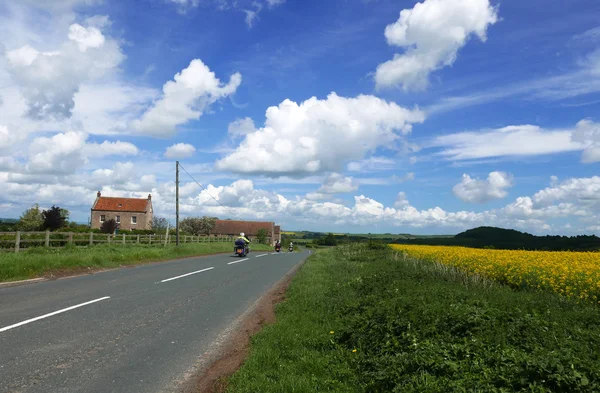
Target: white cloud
[
  {"x": 317, "y": 196},
  {"x": 273, "y": 3},
  {"x": 583, "y": 191},
  {"x": 372, "y": 164},
  {"x": 401, "y": 201},
  {"x": 241, "y": 127},
  {"x": 337, "y": 184},
  {"x": 581, "y": 79},
  {"x": 184, "y": 5},
  {"x": 251, "y": 17},
  {"x": 60, "y": 153},
  {"x": 50, "y": 79},
  {"x": 7, "y": 139},
  {"x": 120, "y": 174},
  {"x": 65, "y": 153},
  {"x": 86, "y": 38},
  {"x": 320, "y": 135},
  {"x": 524, "y": 140},
  {"x": 480, "y": 191},
  {"x": 180, "y": 150},
  {"x": 432, "y": 32},
  {"x": 107, "y": 148},
  {"x": 193, "y": 90},
  {"x": 588, "y": 133}
]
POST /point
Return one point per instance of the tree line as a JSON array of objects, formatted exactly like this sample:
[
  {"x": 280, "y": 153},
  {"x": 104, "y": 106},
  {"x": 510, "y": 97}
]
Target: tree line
[{"x": 510, "y": 239}]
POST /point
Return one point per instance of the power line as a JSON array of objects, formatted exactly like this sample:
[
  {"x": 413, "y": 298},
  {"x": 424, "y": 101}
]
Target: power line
[{"x": 216, "y": 200}]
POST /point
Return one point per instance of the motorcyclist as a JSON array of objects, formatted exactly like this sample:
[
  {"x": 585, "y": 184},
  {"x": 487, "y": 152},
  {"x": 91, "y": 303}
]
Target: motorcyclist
[
  {"x": 291, "y": 246},
  {"x": 243, "y": 239},
  {"x": 277, "y": 245}
]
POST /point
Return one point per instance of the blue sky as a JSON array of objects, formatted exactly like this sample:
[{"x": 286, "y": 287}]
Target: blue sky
[{"x": 343, "y": 115}]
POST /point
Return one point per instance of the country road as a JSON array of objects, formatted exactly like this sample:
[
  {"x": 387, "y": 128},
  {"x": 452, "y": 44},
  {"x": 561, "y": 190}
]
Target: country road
[{"x": 129, "y": 330}]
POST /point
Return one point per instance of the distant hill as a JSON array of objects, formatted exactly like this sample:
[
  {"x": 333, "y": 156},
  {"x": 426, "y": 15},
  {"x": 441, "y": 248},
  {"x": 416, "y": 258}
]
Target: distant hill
[{"x": 510, "y": 239}]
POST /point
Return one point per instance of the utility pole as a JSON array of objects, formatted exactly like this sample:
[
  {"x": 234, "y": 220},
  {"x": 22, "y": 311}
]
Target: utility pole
[{"x": 177, "y": 203}]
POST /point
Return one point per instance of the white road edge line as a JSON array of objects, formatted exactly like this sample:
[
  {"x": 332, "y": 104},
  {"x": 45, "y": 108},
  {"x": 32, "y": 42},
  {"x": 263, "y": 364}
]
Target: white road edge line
[
  {"x": 262, "y": 255},
  {"x": 188, "y": 274},
  {"x": 51, "y": 314},
  {"x": 241, "y": 260}
]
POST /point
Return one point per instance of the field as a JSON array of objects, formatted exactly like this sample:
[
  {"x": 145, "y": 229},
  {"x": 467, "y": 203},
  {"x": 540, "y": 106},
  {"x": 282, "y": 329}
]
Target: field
[
  {"x": 360, "y": 320},
  {"x": 571, "y": 274},
  {"x": 40, "y": 261}
]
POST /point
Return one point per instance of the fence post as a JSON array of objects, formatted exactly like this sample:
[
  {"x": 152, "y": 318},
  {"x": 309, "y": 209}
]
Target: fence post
[
  {"x": 123, "y": 238},
  {"x": 91, "y": 238},
  {"x": 47, "y": 241},
  {"x": 108, "y": 238},
  {"x": 70, "y": 238},
  {"x": 17, "y": 241},
  {"x": 138, "y": 239},
  {"x": 150, "y": 240}
]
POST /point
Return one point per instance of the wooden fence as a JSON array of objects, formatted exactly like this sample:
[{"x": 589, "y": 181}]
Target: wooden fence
[{"x": 15, "y": 241}]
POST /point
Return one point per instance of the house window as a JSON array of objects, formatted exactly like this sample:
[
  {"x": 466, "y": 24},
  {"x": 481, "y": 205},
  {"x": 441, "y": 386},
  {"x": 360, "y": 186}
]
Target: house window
[
  {"x": 133, "y": 219},
  {"x": 102, "y": 218},
  {"x": 118, "y": 219}
]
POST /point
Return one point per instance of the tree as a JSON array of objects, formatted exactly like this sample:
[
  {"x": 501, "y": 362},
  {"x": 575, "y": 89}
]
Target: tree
[
  {"x": 197, "y": 225},
  {"x": 159, "y": 224},
  {"x": 31, "y": 219},
  {"x": 53, "y": 218},
  {"x": 261, "y": 235},
  {"x": 64, "y": 213},
  {"x": 108, "y": 226}
]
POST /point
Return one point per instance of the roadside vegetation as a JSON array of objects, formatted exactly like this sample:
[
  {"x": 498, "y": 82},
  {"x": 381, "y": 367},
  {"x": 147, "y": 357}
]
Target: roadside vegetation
[
  {"x": 39, "y": 261},
  {"x": 363, "y": 318}
]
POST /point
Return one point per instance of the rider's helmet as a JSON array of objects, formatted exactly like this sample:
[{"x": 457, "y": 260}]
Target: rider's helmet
[{"x": 242, "y": 234}]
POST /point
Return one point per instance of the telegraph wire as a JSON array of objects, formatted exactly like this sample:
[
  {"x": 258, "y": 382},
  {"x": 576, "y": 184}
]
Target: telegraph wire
[{"x": 209, "y": 194}]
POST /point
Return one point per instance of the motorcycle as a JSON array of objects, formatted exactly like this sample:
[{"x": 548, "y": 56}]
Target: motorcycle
[
  {"x": 240, "y": 249},
  {"x": 277, "y": 248},
  {"x": 291, "y": 249}
]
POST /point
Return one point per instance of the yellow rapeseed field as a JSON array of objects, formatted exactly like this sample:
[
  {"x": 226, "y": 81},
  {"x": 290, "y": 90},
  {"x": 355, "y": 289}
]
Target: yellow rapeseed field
[{"x": 572, "y": 274}]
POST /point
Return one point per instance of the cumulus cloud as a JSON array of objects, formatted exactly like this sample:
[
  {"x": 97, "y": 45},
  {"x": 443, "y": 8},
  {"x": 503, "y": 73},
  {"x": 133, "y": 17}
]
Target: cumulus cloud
[
  {"x": 64, "y": 153},
  {"x": 241, "y": 127},
  {"x": 401, "y": 201},
  {"x": 480, "y": 191},
  {"x": 320, "y": 135},
  {"x": 524, "y": 140},
  {"x": 336, "y": 183},
  {"x": 588, "y": 133},
  {"x": 432, "y": 32},
  {"x": 185, "y": 98},
  {"x": 180, "y": 150},
  {"x": 50, "y": 79},
  {"x": 108, "y": 148},
  {"x": 583, "y": 191}
]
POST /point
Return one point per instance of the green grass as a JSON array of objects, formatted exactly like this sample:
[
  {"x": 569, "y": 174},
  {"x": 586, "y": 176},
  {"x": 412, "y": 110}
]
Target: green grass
[
  {"x": 418, "y": 327},
  {"x": 36, "y": 262}
]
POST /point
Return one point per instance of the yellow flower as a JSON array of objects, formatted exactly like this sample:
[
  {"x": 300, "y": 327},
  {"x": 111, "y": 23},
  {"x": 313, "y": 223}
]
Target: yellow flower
[
  {"x": 354, "y": 350},
  {"x": 331, "y": 332},
  {"x": 571, "y": 274}
]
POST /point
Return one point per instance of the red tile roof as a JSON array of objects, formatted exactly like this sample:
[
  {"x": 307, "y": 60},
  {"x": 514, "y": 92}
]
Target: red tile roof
[
  {"x": 122, "y": 204},
  {"x": 250, "y": 228}
]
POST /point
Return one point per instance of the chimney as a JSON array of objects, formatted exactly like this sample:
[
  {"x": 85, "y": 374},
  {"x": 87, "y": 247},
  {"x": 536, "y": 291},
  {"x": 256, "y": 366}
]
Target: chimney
[
  {"x": 98, "y": 194},
  {"x": 149, "y": 197}
]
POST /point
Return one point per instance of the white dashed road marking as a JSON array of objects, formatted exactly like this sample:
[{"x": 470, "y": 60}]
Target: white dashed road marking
[
  {"x": 188, "y": 274},
  {"x": 51, "y": 314}
]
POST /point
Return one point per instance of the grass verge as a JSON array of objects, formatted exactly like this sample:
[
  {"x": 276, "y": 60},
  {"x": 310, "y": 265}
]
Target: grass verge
[
  {"x": 360, "y": 320},
  {"x": 37, "y": 262}
]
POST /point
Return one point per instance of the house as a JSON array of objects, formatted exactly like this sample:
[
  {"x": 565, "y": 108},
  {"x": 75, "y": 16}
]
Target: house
[
  {"x": 129, "y": 213},
  {"x": 249, "y": 228}
]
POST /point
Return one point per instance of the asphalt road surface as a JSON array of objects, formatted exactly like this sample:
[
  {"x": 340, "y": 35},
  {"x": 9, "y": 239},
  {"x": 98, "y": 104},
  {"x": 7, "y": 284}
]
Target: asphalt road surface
[{"x": 127, "y": 330}]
